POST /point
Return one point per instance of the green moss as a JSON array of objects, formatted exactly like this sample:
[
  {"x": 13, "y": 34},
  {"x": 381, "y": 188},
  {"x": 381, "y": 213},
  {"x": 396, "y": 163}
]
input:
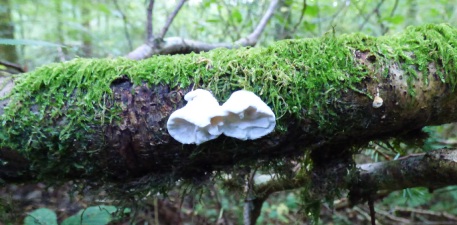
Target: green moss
[
  {"x": 57, "y": 106},
  {"x": 428, "y": 43}
]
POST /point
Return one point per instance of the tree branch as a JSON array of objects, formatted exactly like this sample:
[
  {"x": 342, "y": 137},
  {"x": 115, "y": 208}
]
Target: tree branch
[
  {"x": 230, "y": 28},
  {"x": 177, "y": 45},
  {"x": 385, "y": 29},
  {"x": 252, "y": 38},
  {"x": 124, "y": 19},
  {"x": 302, "y": 14},
  {"x": 434, "y": 169},
  {"x": 119, "y": 129},
  {"x": 394, "y": 8},
  {"x": 10, "y": 65},
  {"x": 171, "y": 18},
  {"x": 366, "y": 18},
  {"x": 149, "y": 31}
]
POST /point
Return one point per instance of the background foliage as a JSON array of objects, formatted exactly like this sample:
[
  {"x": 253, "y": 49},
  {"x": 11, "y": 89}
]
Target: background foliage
[
  {"x": 110, "y": 28},
  {"x": 35, "y": 33}
]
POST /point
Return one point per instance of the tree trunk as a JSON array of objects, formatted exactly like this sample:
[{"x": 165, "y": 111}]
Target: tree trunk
[
  {"x": 105, "y": 119},
  {"x": 7, "y": 52},
  {"x": 86, "y": 35},
  {"x": 63, "y": 52}
]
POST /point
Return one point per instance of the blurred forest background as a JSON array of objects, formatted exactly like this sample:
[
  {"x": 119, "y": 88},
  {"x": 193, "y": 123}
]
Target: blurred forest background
[{"x": 35, "y": 33}]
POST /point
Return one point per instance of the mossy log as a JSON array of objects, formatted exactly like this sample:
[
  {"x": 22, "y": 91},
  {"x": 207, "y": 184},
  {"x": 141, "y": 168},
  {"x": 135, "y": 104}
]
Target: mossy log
[{"x": 105, "y": 119}]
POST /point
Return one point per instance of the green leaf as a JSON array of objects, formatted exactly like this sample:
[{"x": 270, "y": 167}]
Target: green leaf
[
  {"x": 291, "y": 201},
  {"x": 99, "y": 215},
  {"x": 41, "y": 216},
  {"x": 398, "y": 19},
  {"x": 213, "y": 20},
  {"x": 236, "y": 16},
  {"x": 102, "y": 8},
  {"x": 312, "y": 10},
  {"x": 207, "y": 4}
]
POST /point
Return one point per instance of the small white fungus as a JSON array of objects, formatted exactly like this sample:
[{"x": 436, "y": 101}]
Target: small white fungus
[
  {"x": 197, "y": 122},
  {"x": 247, "y": 116}
]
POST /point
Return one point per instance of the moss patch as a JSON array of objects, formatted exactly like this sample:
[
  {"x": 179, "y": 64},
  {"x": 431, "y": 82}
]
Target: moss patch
[{"x": 58, "y": 105}]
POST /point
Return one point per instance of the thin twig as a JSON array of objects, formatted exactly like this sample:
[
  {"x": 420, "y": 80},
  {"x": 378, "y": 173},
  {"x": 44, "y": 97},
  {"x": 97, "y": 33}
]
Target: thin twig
[
  {"x": 394, "y": 8},
  {"x": 252, "y": 39},
  {"x": 442, "y": 215},
  {"x": 301, "y": 16},
  {"x": 219, "y": 206},
  {"x": 362, "y": 212},
  {"x": 285, "y": 29},
  {"x": 333, "y": 17},
  {"x": 124, "y": 19},
  {"x": 248, "y": 201},
  {"x": 13, "y": 65},
  {"x": 387, "y": 157},
  {"x": 393, "y": 218},
  {"x": 360, "y": 11},
  {"x": 171, "y": 18},
  {"x": 381, "y": 24},
  {"x": 226, "y": 22},
  {"x": 373, "y": 12},
  {"x": 386, "y": 29},
  {"x": 61, "y": 54},
  {"x": 150, "y": 35},
  {"x": 248, "y": 18},
  {"x": 230, "y": 21},
  {"x": 372, "y": 212},
  {"x": 174, "y": 45}
]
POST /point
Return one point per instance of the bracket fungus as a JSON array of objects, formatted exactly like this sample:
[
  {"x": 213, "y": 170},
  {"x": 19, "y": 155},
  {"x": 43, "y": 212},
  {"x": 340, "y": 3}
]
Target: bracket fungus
[
  {"x": 247, "y": 116},
  {"x": 200, "y": 120}
]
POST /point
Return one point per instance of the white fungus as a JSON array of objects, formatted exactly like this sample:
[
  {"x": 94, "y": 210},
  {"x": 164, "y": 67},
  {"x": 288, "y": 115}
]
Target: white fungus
[
  {"x": 197, "y": 122},
  {"x": 247, "y": 116},
  {"x": 377, "y": 101}
]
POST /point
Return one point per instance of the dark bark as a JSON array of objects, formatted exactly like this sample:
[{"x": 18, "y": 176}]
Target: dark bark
[
  {"x": 433, "y": 170},
  {"x": 145, "y": 146},
  {"x": 137, "y": 147}
]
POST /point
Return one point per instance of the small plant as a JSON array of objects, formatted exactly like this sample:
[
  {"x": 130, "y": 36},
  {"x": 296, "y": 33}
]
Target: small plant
[{"x": 95, "y": 215}]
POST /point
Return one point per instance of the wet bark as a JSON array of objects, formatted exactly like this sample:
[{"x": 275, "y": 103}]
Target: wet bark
[
  {"x": 138, "y": 144},
  {"x": 143, "y": 145},
  {"x": 435, "y": 169}
]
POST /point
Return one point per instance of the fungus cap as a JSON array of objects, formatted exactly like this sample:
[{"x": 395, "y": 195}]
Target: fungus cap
[
  {"x": 377, "y": 102},
  {"x": 247, "y": 116},
  {"x": 200, "y": 120}
]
